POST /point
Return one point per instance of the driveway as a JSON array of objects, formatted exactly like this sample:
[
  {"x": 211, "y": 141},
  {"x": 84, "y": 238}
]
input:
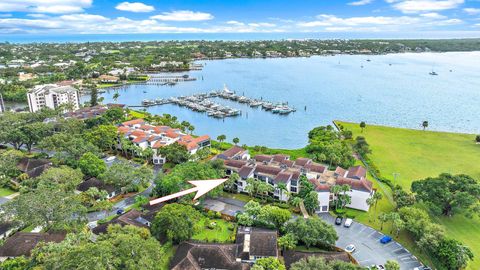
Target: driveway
[
  {"x": 369, "y": 249},
  {"x": 224, "y": 205}
]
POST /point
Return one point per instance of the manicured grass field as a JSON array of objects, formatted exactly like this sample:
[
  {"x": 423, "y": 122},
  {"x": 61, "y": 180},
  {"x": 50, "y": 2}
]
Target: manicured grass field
[
  {"x": 5, "y": 192},
  {"x": 220, "y": 233},
  {"x": 417, "y": 154}
]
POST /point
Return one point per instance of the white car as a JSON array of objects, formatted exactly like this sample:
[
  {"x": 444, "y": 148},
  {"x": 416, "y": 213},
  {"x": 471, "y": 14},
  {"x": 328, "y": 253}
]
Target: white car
[
  {"x": 348, "y": 222},
  {"x": 110, "y": 159},
  {"x": 350, "y": 248}
]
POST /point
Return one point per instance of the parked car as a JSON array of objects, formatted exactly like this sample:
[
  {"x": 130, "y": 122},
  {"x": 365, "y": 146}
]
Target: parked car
[
  {"x": 120, "y": 211},
  {"x": 422, "y": 268},
  {"x": 385, "y": 239},
  {"x": 350, "y": 248},
  {"x": 348, "y": 222},
  {"x": 338, "y": 220}
]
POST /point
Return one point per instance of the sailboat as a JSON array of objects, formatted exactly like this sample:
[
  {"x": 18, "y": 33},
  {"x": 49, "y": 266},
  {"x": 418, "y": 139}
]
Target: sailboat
[{"x": 433, "y": 73}]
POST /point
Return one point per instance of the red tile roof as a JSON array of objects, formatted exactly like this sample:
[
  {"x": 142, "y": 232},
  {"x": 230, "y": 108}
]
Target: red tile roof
[
  {"x": 302, "y": 161},
  {"x": 315, "y": 167},
  {"x": 271, "y": 170},
  {"x": 319, "y": 186},
  {"x": 280, "y": 157},
  {"x": 340, "y": 171},
  {"x": 235, "y": 150},
  {"x": 357, "y": 172},
  {"x": 134, "y": 122},
  {"x": 263, "y": 158},
  {"x": 235, "y": 163}
]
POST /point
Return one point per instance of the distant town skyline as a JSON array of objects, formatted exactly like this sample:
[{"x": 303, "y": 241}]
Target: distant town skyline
[{"x": 375, "y": 17}]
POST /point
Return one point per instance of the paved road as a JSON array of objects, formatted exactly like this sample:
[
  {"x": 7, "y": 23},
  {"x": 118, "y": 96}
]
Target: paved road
[{"x": 369, "y": 249}]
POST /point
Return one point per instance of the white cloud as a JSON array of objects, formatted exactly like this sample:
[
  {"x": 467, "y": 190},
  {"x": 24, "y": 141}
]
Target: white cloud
[
  {"x": 332, "y": 20},
  {"x": 418, "y": 6},
  {"x": 45, "y": 6},
  {"x": 262, "y": 24},
  {"x": 183, "y": 15},
  {"x": 360, "y": 2},
  {"x": 433, "y": 15},
  {"x": 472, "y": 11},
  {"x": 134, "y": 7},
  {"x": 236, "y": 23}
]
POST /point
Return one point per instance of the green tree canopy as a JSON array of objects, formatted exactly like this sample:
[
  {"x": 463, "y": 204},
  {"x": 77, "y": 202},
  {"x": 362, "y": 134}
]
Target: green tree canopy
[
  {"x": 175, "y": 222},
  {"x": 447, "y": 194},
  {"x": 312, "y": 232},
  {"x": 126, "y": 176},
  {"x": 268, "y": 263},
  {"x": 175, "y": 153},
  {"x": 92, "y": 165},
  {"x": 127, "y": 247}
]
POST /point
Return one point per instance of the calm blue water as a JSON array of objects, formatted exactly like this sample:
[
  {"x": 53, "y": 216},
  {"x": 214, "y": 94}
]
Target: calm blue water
[{"x": 335, "y": 87}]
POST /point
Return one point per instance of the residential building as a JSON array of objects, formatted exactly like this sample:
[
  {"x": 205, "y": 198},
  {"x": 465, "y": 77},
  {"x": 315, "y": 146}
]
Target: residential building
[
  {"x": 251, "y": 244},
  {"x": 108, "y": 79},
  {"x": 91, "y": 112},
  {"x": 52, "y": 96},
  {"x": 100, "y": 185},
  {"x": 22, "y": 243},
  {"x": 145, "y": 135},
  {"x": 284, "y": 175},
  {"x": 33, "y": 167}
]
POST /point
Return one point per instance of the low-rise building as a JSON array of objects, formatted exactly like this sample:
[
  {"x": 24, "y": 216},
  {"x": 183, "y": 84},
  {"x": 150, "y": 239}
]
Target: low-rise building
[
  {"x": 145, "y": 135},
  {"x": 22, "y": 243},
  {"x": 284, "y": 175},
  {"x": 53, "y": 96},
  {"x": 108, "y": 79}
]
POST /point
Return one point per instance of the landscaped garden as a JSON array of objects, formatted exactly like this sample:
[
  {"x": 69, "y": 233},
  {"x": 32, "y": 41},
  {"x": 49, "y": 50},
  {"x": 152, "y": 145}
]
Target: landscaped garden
[
  {"x": 405, "y": 155},
  {"x": 215, "y": 230}
]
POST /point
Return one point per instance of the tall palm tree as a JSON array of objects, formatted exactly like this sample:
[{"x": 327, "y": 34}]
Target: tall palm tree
[
  {"x": 346, "y": 199},
  {"x": 336, "y": 190},
  {"x": 383, "y": 217},
  {"x": 116, "y": 96},
  {"x": 377, "y": 196},
  {"x": 370, "y": 202},
  {"x": 296, "y": 201},
  {"x": 424, "y": 124},
  {"x": 281, "y": 188}
]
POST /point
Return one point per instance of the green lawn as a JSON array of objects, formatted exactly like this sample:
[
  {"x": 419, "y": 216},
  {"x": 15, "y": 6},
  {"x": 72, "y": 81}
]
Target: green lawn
[
  {"x": 221, "y": 233},
  {"x": 5, "y": 192},
  {"x": 416, "y": 154}
]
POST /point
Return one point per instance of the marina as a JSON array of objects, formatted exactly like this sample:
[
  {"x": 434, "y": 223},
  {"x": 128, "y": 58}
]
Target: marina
[{"x": 201, "y": 103}]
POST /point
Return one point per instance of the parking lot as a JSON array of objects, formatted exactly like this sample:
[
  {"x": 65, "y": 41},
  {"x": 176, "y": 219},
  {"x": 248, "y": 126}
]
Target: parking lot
[{"x": 369, "y": 250}]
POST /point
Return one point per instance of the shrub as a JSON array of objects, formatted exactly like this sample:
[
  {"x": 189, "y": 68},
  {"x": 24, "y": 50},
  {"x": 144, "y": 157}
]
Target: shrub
[{"x": 218, "y": 215}]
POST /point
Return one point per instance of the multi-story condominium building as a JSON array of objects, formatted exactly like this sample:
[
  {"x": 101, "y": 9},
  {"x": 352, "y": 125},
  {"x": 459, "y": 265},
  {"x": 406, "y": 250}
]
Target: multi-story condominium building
[
  {"x": 53, "y": 96},
  {"x": 284, "y": 175},
  {"x": 145, "y": 135}
]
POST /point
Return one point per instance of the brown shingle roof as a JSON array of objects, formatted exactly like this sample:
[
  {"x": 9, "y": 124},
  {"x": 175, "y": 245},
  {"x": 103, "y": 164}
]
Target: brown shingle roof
[
  {"x": 263, "y": 243},
  {"x": 265, "y": 169},
  {"x": 283, "y": 177},
  {"x": 235, "y": 163},
  {"x": 362, "y": 184},
  {"x": 302, "y": 161},
  {"x": 197, "y": 256},
  {"x": 22, "y": 243},
  {"x": 357, "y": 172},
  {"x": 246, "y": 171},
  {"x": 280, "y": 157},
  {"x": 288, "y": 163},
  {"x": 94, "y": 182},
  {"x": 263, "y": 158},
  {"x": 33, "y": 167},
  {"x": 315, "y": 167},
  {"x": 232, "y": 152},
  {"x": 339, "y": 171}
]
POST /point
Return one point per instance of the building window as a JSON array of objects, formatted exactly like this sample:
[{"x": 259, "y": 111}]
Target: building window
[{"x": 293, "y": 189}]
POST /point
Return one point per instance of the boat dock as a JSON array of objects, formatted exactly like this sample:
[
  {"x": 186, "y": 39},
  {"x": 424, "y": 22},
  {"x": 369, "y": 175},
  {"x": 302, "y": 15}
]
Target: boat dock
[
  {"x": 156, "y": 79},
  {"x": 202, "y": 103},
  {"x": 197, "y": 103},
  {"x": 280, "y": 108}
]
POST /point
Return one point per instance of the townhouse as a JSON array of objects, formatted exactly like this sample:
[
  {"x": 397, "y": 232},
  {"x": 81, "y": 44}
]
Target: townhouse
[
  {"x": 144, "y": 136},
  {"x": 284, "y": 175}
]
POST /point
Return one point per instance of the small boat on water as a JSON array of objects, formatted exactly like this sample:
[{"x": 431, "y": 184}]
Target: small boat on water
[
  {"x": 433, "y": 73},
  {"x": 147, "y": 102}
]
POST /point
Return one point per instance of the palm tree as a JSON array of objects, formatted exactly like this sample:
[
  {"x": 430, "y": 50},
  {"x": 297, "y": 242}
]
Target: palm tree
[
  {"x": 231, "y": 182},
  {"x": 236, "y": 140},
  {"x": 363, "y": 125},
  {"x": 425, "y": 124},
  {"x": 281, "y": 188},
  {"x": 377, "y": 196},
  {"x": 370, "y": 203},
  {"x": 221, "y": 138},
  {"x": 264, "y": 189},
  {"x": 252, "y": 187},
  {"x": 346, "y": 199},
  {"x": 116, "y": 96},
  {"x": 336, "y": 190},
  {"x": 191, "y": 129},
  {"x": 296, "y": 201},
  {"x": 383, "y": 217}
]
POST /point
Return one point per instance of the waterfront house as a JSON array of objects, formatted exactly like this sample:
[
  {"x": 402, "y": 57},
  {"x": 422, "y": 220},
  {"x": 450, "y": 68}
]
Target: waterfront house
[{"x": 144, "y": 135}]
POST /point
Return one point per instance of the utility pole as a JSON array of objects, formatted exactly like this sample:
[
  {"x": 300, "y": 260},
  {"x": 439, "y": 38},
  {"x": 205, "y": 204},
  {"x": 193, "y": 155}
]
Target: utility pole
[{"x": 395, "y": 175}]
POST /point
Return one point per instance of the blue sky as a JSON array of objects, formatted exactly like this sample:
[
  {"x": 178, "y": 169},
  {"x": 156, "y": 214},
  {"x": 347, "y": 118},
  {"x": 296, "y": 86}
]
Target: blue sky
[{"x": 49, "y": 17}]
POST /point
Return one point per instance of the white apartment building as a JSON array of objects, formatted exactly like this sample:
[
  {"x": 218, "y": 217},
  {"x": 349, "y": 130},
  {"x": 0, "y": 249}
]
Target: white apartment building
[{"x": 52, "y": 96}]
